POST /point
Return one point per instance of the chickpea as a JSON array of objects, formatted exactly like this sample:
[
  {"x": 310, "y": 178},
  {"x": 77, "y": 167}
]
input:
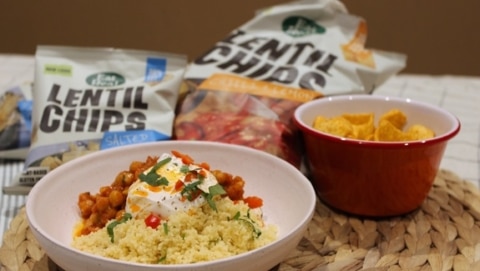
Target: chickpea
[
  {"x": 105, "y": 190},
  {"x": 222, "y": 177},
  {"x": 86, "y": 207},
  {"x": 93, "y": 220},
  {"x": 108, "y": 214},
  {"x": 116, "y": 198},
  {"x": 135, "y": 165},
  {"x": 121, "y": 178},
  {"x": 102, "y": 204},
  {"x": 84, "y": 196},
  {"x": 85, "y": 203},
  {"x": 128, "y": 179},
  {"x": 233, "y": 185},
  {"x": 235, "y": 189}
]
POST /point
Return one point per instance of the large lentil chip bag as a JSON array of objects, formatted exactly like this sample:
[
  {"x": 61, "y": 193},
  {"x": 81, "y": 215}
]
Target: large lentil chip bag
[
  {"x": 311, "y": 46},
  {"x": 91, "y": 99}
]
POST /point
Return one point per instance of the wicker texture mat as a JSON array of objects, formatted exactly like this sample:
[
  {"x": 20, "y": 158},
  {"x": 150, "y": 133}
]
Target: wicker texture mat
[{"x": 443, "y": 234}]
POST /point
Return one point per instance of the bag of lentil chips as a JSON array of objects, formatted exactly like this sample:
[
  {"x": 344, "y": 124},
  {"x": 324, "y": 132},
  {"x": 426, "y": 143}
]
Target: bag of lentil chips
[
  {"x": 15, "y": 118},
  {"x": 245, "y": 88},
  {"x": 91, "y": 99}
]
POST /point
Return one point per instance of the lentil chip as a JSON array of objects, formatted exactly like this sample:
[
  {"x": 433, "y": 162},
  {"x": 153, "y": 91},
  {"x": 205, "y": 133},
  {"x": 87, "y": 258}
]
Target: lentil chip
[
  {"x": 360, "y": 126},
  {"x": 19, "y": 250}
]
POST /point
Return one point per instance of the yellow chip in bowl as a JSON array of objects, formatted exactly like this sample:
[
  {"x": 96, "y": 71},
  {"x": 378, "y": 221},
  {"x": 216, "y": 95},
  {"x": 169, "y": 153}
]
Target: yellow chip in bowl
[
  {"x": 419, "y": 132},
  {"x": 360, "y": 118},
  {"x": 317, "y": 121},
  {"x": 364, "y": 131},
  {"x": 363, "y": 127},
  {"x": 387, "y": 131},
  {"x": 336, "y": 126},
  {"x": 395, "y": 117}
]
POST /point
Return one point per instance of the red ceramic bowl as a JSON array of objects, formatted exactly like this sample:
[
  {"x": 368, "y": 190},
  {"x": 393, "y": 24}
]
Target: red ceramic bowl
[{"x": 370, "y": 178}]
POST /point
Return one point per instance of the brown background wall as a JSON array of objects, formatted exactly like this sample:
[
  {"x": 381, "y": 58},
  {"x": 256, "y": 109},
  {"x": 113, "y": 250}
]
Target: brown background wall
[{"x": 439, "y": 37}]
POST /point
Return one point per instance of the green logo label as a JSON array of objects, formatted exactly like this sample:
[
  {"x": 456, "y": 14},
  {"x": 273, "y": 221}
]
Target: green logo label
[
  {"x": 63, "y": 70},
  {"x": 105, "y": 79},
  {"x": 298, "y": 26}
]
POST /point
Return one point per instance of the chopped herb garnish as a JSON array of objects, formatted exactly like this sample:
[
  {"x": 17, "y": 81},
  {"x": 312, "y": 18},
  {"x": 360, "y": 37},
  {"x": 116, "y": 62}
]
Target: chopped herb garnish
[
  {"x": 216, "y": 190},
  {"x": 247, "y": 219},
  {"x": 162, "y": 163},
  {"x": 165, "y": 228},
  {"x": 152, "y": 178},
  {"x": 191, "y": 190},
  {"x": 213, "y": 191},
  {"x": 196, "y": 171},
  {"x": 236, "y": 216},
  {"x": 162, "y": 259},
  {"x": 184, "y": 169},
  {"x": 112, "y": 225},
  {"x": 200, "y": 176}
]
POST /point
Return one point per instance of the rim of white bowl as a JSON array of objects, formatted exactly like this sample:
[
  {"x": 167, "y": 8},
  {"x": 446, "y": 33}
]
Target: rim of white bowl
[
  {"x": 308, "y": 128},
  {"x": 288, "y": 235}
]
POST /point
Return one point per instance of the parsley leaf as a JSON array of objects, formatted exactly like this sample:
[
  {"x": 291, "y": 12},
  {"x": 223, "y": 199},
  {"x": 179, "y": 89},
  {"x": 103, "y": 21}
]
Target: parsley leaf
[
  {"x": 236, "y": 216},
  {"x": 184, "y": 169},
  {"x": 162, "y": 259},
  {"x": 247, "y": 219},
  {"x": 165, "y": 228},
  {"x": 112, "y": 225},
  {"x": 162, "y": 163},
  {"x": 190, "y": 190},
  {"x": 213, "y": 191},
  {"x": 216, "y": 190},
  {"x": 152, "y": 178}
]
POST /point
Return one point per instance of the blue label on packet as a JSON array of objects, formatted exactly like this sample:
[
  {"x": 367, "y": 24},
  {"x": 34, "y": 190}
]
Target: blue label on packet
[
  {"x": 117, "y": 139},
  {"x": 25, "y": 109},
  {"x": 156, "y": 68}
]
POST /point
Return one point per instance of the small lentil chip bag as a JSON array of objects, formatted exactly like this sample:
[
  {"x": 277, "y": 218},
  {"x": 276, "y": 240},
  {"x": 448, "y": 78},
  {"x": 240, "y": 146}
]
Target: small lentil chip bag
[
  {"x": 90, "y": 99},
  {"x": 15, "y": 118}
]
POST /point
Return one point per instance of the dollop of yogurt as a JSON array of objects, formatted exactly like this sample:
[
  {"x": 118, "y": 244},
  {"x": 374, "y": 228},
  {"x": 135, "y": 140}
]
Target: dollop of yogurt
[{"x": 164, "y": 188}]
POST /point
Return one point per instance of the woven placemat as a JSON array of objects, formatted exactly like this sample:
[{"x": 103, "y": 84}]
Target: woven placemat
[{"x": 443, "y": 234}]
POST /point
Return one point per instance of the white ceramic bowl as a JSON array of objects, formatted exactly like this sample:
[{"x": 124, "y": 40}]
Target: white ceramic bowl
[{"x": 289, "y": 202}]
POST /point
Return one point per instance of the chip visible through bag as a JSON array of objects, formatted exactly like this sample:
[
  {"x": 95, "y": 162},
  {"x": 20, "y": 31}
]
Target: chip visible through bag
[{"x": 237, "y": 110}]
